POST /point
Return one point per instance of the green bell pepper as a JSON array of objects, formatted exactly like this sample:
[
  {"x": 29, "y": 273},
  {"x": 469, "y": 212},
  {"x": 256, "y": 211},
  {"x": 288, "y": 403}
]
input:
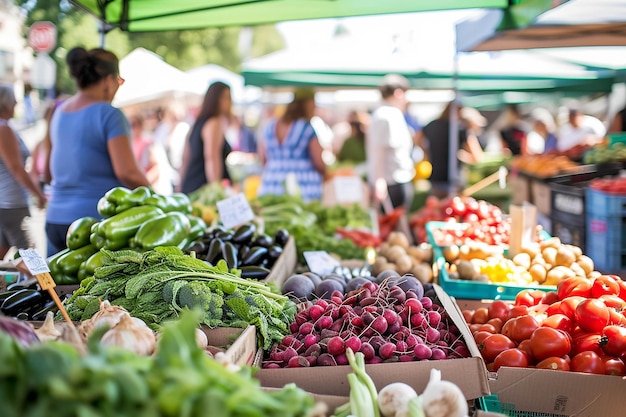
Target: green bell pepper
[
  {"x": 169, "y": 230},
  {"x": 198, "y": 227},
  {"x": 137, "y": 196},
  {"x": 97, "y": 240},
  {"x": 64, "y": 279},
  {"x": 112, "y": 244},
  {"x": 106, "y": 208},
  {"x": 158, "y": 200},
  {"x": 69, "y": 264},
  {"x": 79, "y": 231},
  {"x": 123, "y": 226},
  {"x": 183, "y": 204},
  {"x": 53, "y": 262},
  {"x": 117, "y": 195},
  {"x": 94, "y": 261}
]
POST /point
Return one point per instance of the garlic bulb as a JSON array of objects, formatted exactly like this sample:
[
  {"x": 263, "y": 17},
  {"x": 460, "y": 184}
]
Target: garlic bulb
[
  {"x": 443, "y": 398},
  {"x": 393, "y": 399},
  {"x": 107, "y": 314},
  {"x": 132, "y": 335},
  {"x": 201, "y": 339},
  {"x": 47, "y": 332}
]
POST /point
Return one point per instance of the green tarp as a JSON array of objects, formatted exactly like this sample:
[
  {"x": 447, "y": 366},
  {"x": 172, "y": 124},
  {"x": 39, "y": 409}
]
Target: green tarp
[{"x": 158, "y": 15}]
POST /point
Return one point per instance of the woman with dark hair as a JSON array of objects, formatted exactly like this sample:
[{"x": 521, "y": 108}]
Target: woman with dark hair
[
  {"x": 90, "y": 144},
  {"x": 204, "y": 158},
  {"x": 291, "y": 147}
]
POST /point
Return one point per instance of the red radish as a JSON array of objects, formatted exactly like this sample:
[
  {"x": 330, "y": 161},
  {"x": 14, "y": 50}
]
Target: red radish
[
  {"x": 357, "y": 321},
  {"x": 336, "y": 300},
  {"x": 432, "y": 335},
  {"x": 298, "y": 362},
  {"x": 305, "y": 329},
  {"x": 421, "y": 351},
  {"x": 326, "y": 359},
  {"x": 314, "y": 350},
  {"x": 411, "y": 295},
  {"x": 402, "y": 346},
  {"x": 367, "y": 350},
  {"x": 462, "y": 351},
  {"x": 271, "y": 365},
  {"x": 302, "y": 318},
  {"x": 327, "y": 333},
  {"x": 277, "y": 356},
  {"x": 427, "y": 303},
  {"x": 358, "y": 310},
  {"x": 324, "y": 322},
  {"x": 336, "y": 346},
  {"x": 289, "y": 353},
  {"x": 312, "y": 360},
  {"x": 438, "y": 354},
  {"x": 337, "y": 325},
  {"x": 375, "y": 359},
  {"x": 311, "y": 339},
  {"x": 377, "y": 342},
  {"x": 397, "y": 295},
  {"x": 365, "y": 293},
  {"x": 380, "y": 324},
  {"x": 434, "y": 318},
  {"x": 406, "y": 358},
  {"x": 367, "y": 301},
  {"x": 371, "y": 309},
  {"x": 414, "y": 305},
  {"x": 367, "y": 318},
  {"x": 322, "y": 303},
  {"x": 288, "y": 340},
  {"x": 353, "y": 343},
  {"x": 418, "y": 320},
  {"x": 345, "y": 310},
  {"x": 412, "y": 340},
  {"x": 293, "y": 327},
  {"x": 341, "y": 359},
  {"x": 316, "y": 312},
  {"x": 397, "y": 336},
  {"x": 390, "y": 316},
  {"x": 387, "y": 350},
  {"x": 351, "y": 300},
  {"x": 334, "y": 313},
  {"x": 337, "y": 294},
  {"x": 393, "y": 328},
  {"x": 371, "y": 287}
]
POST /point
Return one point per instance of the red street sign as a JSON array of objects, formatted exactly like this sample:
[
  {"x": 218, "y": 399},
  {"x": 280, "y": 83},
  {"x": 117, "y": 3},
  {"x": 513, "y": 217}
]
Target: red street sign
[{"x": 42, "y": 36}]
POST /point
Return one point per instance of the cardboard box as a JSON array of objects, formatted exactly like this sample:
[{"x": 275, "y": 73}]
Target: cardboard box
[
  {"x": 240, "y": 351},
  {"x": 469, "y": 374},
  {"x": 541, "y": 196},
  {"x": 559, "y": 393},
  {"x": 285, "y": 265},
  {"x": 520, "y": 189}
]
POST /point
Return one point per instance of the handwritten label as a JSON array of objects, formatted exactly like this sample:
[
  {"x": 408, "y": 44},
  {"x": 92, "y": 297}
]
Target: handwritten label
[
  {"x": 234, "y": 211},
  {"x": 320, "y": 262},
  {"x": 35, "y": 263},
  {"x": 348, "y": 189}
]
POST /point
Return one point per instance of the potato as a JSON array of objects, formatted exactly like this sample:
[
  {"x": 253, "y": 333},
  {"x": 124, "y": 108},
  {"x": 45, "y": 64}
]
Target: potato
[
  {"x": 532, "y": 249},
  {"x": 564, "y": 256},
  {"x": 416, "y": 253},
  {"x": 395, "y": 252},
  {"x": 553, "y": 242},
  {"x": 403, "y": 264},
  {"x": 466, "y": 270},
  {"x": 481, "y": 278},
  {"x": 450, "y": 253},
  {"x": 558, "y": 274},
  {"x": 384, "y": 248},
  {"x": 522, "y": 259},
  {"x": 538, "y": 260},
  {"x": 577, "y": 269},
  {"x": 538, "y": 273},
  {"x": 549, "y": 254},
  {"x": 586, "y": 263},
  {"x": 423, "y": 273},
  {"x": 575, "y": 250},
  {"x": 398, "y": 239}
]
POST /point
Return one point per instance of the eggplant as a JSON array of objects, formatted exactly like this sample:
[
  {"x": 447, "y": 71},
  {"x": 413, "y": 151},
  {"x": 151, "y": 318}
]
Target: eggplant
[
  {"x": 254, "y": 272},
  {"x": 229, "y": 254},
  {"x": 244, "y": 234},
  {"x": 225, "y": 236},
  {"x": 263, "y": 240},
  {"x": 274, "y": 252},
  {"x": 281, "y": 237},
  {"x": 242, "y": 251},
  {"x": 23, "y": 301},
  {"x": 23, "y": 286},
  {"x": 199, "y": 247},
  {"x": 7, "y": 294},
  {"x": 255, "y": 256},
  {"x": 41, "y": 314},
  {"x": 215, "y": 250}
]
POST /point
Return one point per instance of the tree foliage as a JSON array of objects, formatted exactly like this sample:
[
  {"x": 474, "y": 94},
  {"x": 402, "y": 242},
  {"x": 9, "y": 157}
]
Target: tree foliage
[{"x": 182, "y": 49}]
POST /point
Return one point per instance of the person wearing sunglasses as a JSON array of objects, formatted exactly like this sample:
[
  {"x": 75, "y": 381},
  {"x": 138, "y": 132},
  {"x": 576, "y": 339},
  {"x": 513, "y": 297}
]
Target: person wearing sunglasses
[{"x": 90, "y": 147}]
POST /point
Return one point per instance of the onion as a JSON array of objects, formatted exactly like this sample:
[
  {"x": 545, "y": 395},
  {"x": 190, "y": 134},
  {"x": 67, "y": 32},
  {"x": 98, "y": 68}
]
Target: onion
[
  {"x": 18, "y": 330},
  {"x": 47, "y": 332}
]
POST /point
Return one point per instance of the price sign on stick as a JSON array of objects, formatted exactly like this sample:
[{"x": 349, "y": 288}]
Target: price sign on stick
[
  {"x": 39, "y": 268},
  {"x": 320, "y": 262},
  {"x": 234, "y": 211},
  {"x": 348, "y": 189}
]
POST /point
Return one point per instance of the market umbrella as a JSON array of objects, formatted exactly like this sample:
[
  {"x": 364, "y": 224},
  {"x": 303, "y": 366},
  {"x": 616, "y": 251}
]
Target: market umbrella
[
  {"x": 573, "y": 24},
  {"x": 159, "y": 15}
]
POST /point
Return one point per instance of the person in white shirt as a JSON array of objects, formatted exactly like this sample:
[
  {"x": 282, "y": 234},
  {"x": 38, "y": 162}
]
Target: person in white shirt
[
  {"x": 389, "y": 145},
  {"x": 580, "y": 129}
]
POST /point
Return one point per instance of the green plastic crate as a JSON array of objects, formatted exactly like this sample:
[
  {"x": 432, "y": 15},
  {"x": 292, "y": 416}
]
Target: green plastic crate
[
  {"x": 492, "y": 404},
  {"x": 473, "y": 290}
]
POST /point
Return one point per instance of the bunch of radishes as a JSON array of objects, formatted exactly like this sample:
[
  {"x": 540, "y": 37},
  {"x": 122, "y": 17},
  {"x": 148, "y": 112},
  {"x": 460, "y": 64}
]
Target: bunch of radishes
[{"x": 384, "y": 322}]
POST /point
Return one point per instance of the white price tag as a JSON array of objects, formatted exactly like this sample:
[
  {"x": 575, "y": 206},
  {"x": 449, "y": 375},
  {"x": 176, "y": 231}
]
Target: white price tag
[
  {"x": 320, "y": 262},
  {"x": 35, "y": 263},
  {"x": 348, "y": 189},
  {"x": 234, "y": 211}
]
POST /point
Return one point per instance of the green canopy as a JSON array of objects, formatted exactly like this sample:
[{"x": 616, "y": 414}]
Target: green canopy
[{"x": 159, "y": 15}]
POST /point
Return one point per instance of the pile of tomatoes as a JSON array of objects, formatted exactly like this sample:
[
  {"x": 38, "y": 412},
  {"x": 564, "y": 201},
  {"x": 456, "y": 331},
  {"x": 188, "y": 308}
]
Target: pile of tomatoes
[
  {"x": 484, "y": 221},
  {"x": 581, "y": 327}
]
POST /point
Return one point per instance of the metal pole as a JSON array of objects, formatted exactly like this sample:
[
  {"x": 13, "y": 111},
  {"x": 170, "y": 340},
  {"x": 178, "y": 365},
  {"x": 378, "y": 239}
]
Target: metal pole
[
  {"x": 453, "y": 143},
  {"x": 102, "y": 31}
]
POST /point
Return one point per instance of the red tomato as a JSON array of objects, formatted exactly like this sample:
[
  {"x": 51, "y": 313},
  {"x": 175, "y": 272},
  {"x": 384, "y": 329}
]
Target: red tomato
[
  {"x": 468, "y": 315},
  {"x": 518, "y": 311},
  {"x": 479, "y": 337},
  {"x": 493, "y": 345},
  {"x": 550, "y": 298},
  {"x": 614, "y": 366},
  {"x": 481, "y": 315},
  {"x": 604, "y": 284},
  {"x": 487, "y": 328},
  {"x": 513, "y": 358},
  {"x": 474, "y": 327},
  {"x": 587, "y": 342},
  {"x": 546, "y": 342},
  {"x": 524, "y": 346},
  {"x": 554, "y": 308},
  {"x": 499, "y": 310},
  {"x": 560, "y": 322},
  {"x": 588, "y": 362},
  {"x": 592, "y": 315},
  {"x": 622, "y": 286},
  {"x": 529, "y": 298},
  {"x": 520, "y": 328},
  {"x": 617, "y": 316},
  {"x": 573, "y": 286},
  {"x": 496, "y": 323},
  {"x": 568, "y": 305},
  {"x": 612, "y": 301},
  {"x": 614, "y": 340},
  {"x": 554, "y": 363}
]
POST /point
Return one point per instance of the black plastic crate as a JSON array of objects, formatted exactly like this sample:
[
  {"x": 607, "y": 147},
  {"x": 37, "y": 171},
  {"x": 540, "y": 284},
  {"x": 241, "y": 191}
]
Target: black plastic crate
[{"x": 570, "y": 232}]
